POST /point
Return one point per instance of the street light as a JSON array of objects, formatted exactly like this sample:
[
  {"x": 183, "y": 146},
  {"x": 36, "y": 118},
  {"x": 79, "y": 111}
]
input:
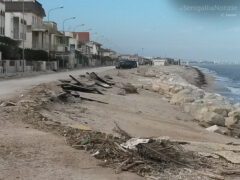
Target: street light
[
  {"x": 68, "y": 19},
  {"x": 71, "y": 18},
  {"x": 88, "y": 30},
  {"x": 80, "y": 25},
  {"x": 53, "y": 9}
]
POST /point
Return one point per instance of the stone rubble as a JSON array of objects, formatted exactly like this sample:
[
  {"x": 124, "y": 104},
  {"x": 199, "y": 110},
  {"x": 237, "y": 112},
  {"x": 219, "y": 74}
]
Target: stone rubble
[{"x": 208, "y": 108}]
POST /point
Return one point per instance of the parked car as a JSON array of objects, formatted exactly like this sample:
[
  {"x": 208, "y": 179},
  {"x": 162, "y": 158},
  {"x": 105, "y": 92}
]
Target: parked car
[{"x": 126, "y": 64}]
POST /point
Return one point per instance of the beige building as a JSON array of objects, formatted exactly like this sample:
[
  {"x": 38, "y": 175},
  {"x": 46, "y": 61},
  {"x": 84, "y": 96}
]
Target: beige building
[
  {"x": 27, "y": 26},
  {"x": 56, "y": 39}
]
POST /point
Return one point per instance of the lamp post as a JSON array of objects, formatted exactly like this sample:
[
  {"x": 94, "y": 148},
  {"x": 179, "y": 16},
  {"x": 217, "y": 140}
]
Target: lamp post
[
  {"x": 49, "y": 38},
  {"x": 86, "y": 30},
  {"x": 23, "y": 37},
  {"x": 68, "y": 19},
  {"x": 80, "y": 25},
  {"x": 71, "y": 18},
  {"x": 53, "y": 9}
]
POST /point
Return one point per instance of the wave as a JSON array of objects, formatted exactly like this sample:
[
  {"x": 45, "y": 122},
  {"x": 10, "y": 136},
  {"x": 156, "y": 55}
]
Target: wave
[
  {"x": 231, "y": 88},
  {"x": 235, "y": 91}
]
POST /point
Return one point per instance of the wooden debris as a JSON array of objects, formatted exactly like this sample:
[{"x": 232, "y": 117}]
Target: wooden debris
[
  {"x": 77, "y": 81},
  {"x": 96, "y": 77},
  {"x": 230, "y": 172},
  {"x": 93, "y": 100},
  {"x": 211, "y": 175},
  {"x": 72, "y": 87}
]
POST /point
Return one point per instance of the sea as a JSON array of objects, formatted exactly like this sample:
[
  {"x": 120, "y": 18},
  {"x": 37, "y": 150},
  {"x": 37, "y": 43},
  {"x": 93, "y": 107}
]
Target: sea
[{"x": 227, "y": 78}]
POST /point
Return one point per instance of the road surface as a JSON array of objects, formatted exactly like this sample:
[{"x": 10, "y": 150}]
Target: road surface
[{"x": 13, "y": 86}]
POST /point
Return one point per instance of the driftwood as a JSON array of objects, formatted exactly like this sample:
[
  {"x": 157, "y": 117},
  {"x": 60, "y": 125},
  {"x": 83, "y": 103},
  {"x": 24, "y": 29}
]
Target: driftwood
[
  {"x": 77, "y": 95},
  {"x": 93, "y": 100},
  {"x": 104, "y": 85},
  {"x": 77, "y": 81},
  {"x": 96, "y": 77},
  {"x": 72, "y": 87},
  {"x": 212, "y": 176},
  {"x": 64, "y": 81},
  {"x": 230, "y": 172}
]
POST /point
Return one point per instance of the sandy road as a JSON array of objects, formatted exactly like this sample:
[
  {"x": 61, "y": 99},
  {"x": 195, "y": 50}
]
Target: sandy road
[
  {"x": 27, "y": 153},
  {"x": 13, "y": 86}
]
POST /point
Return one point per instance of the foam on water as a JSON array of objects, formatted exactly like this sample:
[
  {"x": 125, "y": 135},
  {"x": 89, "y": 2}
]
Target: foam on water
[{"x": 230, "y": 85}]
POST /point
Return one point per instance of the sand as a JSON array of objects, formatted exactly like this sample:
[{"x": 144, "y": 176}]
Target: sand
[{"x": 28, "y": 152}]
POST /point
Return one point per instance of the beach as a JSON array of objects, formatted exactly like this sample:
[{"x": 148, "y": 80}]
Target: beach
[{"x": 175, "y": 102}]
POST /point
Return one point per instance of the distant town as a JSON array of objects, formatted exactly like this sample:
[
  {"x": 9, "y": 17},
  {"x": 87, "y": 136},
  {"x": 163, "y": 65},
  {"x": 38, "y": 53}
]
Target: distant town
[{"x": 28, "y": 43}]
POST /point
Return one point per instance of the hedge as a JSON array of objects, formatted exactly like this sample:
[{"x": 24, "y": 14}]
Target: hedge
[{"x": 11, "y": 51}]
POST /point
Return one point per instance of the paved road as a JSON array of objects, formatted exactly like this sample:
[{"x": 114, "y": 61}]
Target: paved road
[{"x": 13, "y": 86}]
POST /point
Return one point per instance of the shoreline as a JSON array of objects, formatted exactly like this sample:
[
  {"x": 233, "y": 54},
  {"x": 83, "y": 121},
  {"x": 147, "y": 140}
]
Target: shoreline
[{"x": 193, "y": 91}]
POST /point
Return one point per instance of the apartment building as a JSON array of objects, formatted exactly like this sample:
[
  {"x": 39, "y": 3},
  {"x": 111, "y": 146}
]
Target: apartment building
[
  {"x": 27, "y": 26},
  {"x": 56, "y": 39}
]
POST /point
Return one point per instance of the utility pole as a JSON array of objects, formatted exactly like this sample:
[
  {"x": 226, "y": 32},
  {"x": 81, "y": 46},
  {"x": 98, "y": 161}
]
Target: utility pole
[{"x": 23, "y": 39}]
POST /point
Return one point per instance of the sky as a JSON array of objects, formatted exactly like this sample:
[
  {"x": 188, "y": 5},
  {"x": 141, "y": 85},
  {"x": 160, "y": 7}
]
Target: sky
[{"x": 185, "y": 29}]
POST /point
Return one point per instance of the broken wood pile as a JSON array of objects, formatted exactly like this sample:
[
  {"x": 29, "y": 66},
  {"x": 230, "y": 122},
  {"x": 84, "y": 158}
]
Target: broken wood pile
[
  {"x": 73, "y": 87},
  {"x": 141, "y": 156}
]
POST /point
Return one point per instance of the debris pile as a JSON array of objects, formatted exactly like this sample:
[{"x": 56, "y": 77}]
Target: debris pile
[
  {"x": 142, "y": 156},
  {"x": 89, "y": 83}
]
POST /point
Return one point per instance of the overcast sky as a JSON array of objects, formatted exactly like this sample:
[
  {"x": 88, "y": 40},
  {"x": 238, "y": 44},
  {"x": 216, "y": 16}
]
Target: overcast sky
[{"x": 187, "y": 29}]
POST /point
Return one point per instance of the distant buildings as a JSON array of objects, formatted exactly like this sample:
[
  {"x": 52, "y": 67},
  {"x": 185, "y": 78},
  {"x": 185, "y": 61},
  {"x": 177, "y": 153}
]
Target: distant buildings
[
  {"x": 43, "y": 41},
  {"x": 165, "y": 61}
]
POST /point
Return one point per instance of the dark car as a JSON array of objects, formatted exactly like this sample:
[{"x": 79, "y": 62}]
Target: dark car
[{"x": 126, "y": 64}]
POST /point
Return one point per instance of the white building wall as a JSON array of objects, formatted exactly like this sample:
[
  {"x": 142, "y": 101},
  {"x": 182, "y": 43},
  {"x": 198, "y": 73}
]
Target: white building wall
[
  {"x": 159, "y": 62},
  {"x": 10, "y": 28},
  {"x": 32, "y": 21}
]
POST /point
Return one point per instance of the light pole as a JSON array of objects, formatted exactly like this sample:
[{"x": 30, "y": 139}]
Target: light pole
[
  {"x": 23, "y": 38},
  {"x": 86, "y": 30},
  {"x": 53, "y": 9},
  {"x": 49, "y": 38},
  {"x": 80, "y": 25},
  {"x": 68, "y": 19},
  {"x": 71, "y": 18}
]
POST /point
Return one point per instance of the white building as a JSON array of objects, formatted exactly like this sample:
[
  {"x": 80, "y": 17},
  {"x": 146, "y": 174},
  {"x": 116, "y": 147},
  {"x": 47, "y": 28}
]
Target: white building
[
  {"x": 2, "y": 18},
  {"x": 30, "y": 29},
  {"x": 160, "y": 62},
  {"x": 72, "y": 40}
]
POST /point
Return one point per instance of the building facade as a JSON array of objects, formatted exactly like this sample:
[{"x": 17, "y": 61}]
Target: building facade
[
  {"x": 2, "y": 18},
  {"x": 27, "y": 26},
  {"x": 56, "y": 39},
  {"x": 83, "y": 36}
]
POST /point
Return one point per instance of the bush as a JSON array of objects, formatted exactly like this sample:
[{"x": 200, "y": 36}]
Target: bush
[
  {"x": 11, "y": 51},
  {"x": 9, "y": 48},
  {"x": 34, "y": 55}
]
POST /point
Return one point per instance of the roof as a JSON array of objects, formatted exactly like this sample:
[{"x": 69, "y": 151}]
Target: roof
[
  {"x": 30, "y": 7},
  {"x": 83, "y": 36},
  {"x": 96, "y": 43}
]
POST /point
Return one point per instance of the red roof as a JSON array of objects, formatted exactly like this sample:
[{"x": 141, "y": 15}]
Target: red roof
[{"x": 83, "y": 36}]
